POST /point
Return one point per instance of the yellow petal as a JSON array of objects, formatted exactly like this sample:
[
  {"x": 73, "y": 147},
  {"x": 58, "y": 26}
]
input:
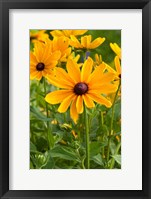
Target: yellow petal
[
  {"x": 97, "y": 42},
  {"x": 67, "y": 33},
  {"x": 104, "y": 88},
  {"x": 74, "y": 42},
  {"x": 86, "y": 69},
  {"x": 53, "y": 57},
  {"x": 109, "y": 68},
  {"x": 66, "y": 103},
  {"x": 33, "y": 74},
  {"x": 117, "y": 64},
  {"x": 97, "y": 73},
  {"x": 59, "y": 83},
  {"x": 60, "y": 72},
  {"x": 56, "y": 97},
  {"x": 39, "y": 76},
  {"x": 116, "y": 49},
  {"x": 107, "y": 77},
  {"x": 99, "y": 99},
  {"x": 73, "y": 70},
  {"x": 88, "y": 101},
  {"x": 56, "y": 33},
  {"x": 33, "y": 59},
  {"x": 38, "y": 51},
  {"x": 79, "y": 104},
  {"x": 79, "y": 32},
  {"x": 73, "y": 110}
]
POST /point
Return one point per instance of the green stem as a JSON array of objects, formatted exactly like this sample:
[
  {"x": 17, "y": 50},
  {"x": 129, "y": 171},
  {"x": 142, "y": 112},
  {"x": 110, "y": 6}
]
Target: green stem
[
  {"x": 49, "y": 134},
  {"x": 112, "y": 119},
  {"x": 102, "y": 123},
  {"x": 87, "y": 139},
  {"x": 116, "y": 152}
]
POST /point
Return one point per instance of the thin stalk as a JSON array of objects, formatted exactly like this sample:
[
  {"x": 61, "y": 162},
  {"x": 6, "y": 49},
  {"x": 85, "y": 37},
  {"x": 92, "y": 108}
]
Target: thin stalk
[
  {"x": 112, "y": 119},
  {"x": 87, "y": 139},
  {"x": 49, "y": 134},
  {"x": 102, "y": 123}
]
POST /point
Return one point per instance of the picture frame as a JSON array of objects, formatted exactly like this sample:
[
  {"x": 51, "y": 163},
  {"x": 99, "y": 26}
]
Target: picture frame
[{"x": 5, "y": 6}]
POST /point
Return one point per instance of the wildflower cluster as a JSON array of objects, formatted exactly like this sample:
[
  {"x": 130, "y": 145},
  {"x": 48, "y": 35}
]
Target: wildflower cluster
[{"x": 75, "y": 100}]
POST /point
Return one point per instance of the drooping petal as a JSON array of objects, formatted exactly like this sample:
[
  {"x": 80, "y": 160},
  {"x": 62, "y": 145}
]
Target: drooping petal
[
  {"x": 66, "y": 103},
  {"x": 74, "y": 42},
  {"x": 39, "y": 76},
  {"x": 79, "y": 104},
  {"x": 73, "y": 110},
  {"x": 97, "y": 42},
  {"x": 99, "y": 99},
  {"x": 88, "y": 101},
  {"x": 116, "y": 49},
  {"x": 117, "y": 64},
  {"x": 86, "y": 69},
  {"x": 56, "y": 97},
  {"x": 33, "y": 74}
]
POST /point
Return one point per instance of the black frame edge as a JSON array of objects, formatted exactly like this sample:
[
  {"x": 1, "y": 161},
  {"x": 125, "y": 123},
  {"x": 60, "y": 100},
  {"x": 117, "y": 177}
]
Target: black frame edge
[{"x": 4, "y": 103}]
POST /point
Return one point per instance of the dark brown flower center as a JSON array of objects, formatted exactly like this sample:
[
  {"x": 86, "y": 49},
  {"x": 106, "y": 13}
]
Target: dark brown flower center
[
  {"x": 80, "y": 88},
  {"x": 119, "y": 75},
  {"x": 40, "y": 66}
]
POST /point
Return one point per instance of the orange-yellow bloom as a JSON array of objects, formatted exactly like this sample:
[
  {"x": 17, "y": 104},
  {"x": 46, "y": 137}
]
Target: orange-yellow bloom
[
  {"x": 80, "y": 86},
  {"x": 42, "y": 60},
  {"x": 67, "y": 33},
  {"x": 116, "y": 49},
  {"x": 38, "y": 36},
  {"x": 86, "y": 42},
  {"x": 60, "y": 44}
]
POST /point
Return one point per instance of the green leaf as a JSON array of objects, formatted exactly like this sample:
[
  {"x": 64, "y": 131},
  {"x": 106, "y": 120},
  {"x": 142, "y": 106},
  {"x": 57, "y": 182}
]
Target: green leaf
[
  {"x": 94, "y": 148},
  {"x": 39, "y": 115},
  {"x": 58, "y": 136},
  {"x": 117, "y": 158},
  {"x": 64, "y": 153},
  {"x": 32, "y": 147},
  {"x": 50, "y": 164},
  {"x": 98, "y": 159}
]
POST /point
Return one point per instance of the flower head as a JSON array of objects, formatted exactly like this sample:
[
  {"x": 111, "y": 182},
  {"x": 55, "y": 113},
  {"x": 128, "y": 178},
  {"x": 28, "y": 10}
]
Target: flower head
[
  {"x": 86, "y": 42},
  {"x": 42, "y": 60},
  {"x": 38, "y": 36},
  {"x": 116, "y": 49},
  {"x": 67, "y": 33},
  {"x": 80, "y": 86}
]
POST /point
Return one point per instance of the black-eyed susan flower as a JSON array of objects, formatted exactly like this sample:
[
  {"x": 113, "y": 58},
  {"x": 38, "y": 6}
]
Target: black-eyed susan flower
[
  {"x": 80, "y": 86},
  {"x": 38, "y": 36},
  {"x": 86, "y": 42},
  {"x": 116, "y": 49},
  {"x": 42, "y": 60},
  {"x": 60, "y": 44},
  {"x": 67, "y": 33}
]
